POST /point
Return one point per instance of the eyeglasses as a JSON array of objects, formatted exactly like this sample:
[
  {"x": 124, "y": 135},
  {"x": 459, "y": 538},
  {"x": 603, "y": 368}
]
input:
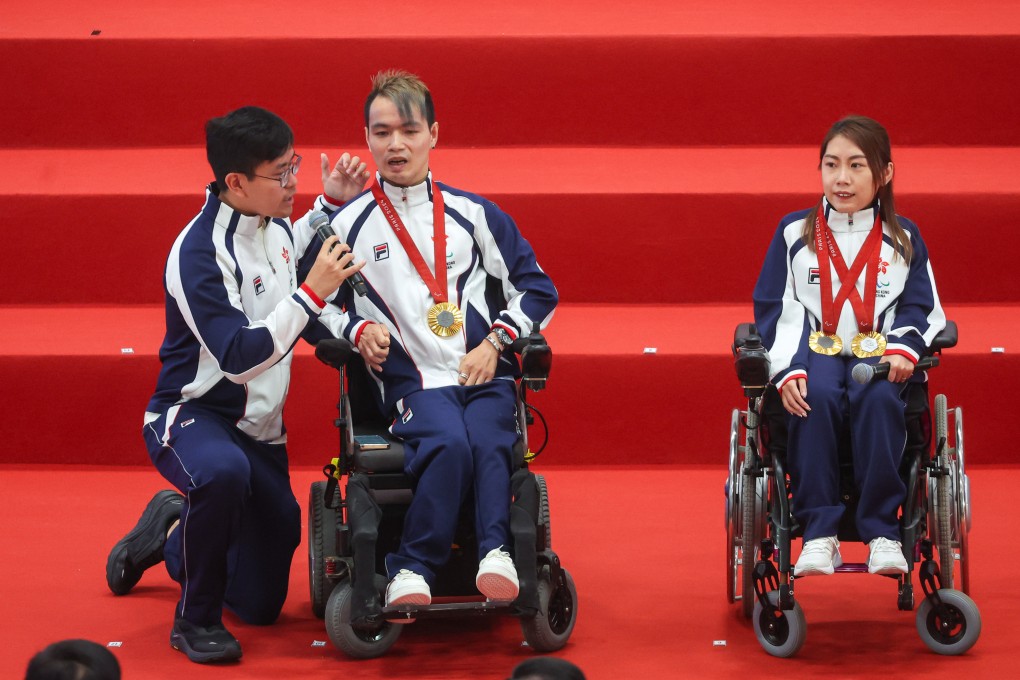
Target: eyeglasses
[{"x": 292, "y": 169}]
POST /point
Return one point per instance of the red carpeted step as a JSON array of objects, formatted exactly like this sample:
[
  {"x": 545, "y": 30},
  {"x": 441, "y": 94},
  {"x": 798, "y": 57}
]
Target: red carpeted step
[
  {"x": 657, "y": 388},
  {"x": 616, "y": 225},
  {"x": 539, "y": 73}
]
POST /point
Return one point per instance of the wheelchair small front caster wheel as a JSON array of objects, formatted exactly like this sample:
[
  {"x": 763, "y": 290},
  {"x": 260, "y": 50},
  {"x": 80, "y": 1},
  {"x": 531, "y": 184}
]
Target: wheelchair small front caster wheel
[
  {"x": 952, "y": 630},
  {"x": 781, "y": 633},
  {"x": 551, "y": 627},
  {"x": 357, "y": 643}
]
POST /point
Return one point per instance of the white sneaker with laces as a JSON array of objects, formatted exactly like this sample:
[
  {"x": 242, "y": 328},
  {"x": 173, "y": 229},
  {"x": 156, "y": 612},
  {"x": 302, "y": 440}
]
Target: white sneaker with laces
[
  {"x": 885, "y": 556},
  {"x": 818, "y": 556},
  {"x": 497, "y": 576},
  {"x": 408, "y": 587}
]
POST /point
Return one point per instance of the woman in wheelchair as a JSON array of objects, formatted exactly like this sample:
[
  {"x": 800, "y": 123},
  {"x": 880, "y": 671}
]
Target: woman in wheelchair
[{"x": 843, "y": 283}]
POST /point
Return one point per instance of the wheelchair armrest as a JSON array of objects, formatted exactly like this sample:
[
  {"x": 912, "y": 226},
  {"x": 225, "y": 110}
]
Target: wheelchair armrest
[
  {"x": 334, "y": 352},
  {"x": 751, "y": 360},
  {"x": 946, "y": 338}
]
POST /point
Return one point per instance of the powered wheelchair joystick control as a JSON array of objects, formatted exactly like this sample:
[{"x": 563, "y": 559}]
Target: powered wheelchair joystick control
[{"x": 751, "y": 360}]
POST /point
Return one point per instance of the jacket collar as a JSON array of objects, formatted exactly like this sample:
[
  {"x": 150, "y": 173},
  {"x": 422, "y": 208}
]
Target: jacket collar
[
  {"x": 862, "y": 220},
  {"x": 411, "y": 196},
  {"x": 226, "y": 217}
]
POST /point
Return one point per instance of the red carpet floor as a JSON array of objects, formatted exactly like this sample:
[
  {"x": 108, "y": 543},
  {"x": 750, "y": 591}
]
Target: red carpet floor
[
  {"x": 645, "y": 546},
  {"x": 647, "y": 153}
]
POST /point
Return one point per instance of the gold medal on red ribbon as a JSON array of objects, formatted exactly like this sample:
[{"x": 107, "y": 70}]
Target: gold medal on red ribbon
[
  {"x": 824, "y": 343},
  {"x": 445, "y": 319},
  {"x": 868, "y": 345}
]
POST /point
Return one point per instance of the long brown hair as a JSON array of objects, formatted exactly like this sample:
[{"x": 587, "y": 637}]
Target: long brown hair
[{"x": 871, "y": 138}]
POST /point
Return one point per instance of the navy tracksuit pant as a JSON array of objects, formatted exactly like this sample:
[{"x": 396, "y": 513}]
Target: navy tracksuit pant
[
  {"x": 240, "y": 523},
  {"x": 878, "y": 436},
  {"x": 456, "y": 440}
]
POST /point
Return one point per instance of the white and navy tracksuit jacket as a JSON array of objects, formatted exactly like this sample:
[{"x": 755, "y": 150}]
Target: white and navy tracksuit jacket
[
  {"x": 233, "y": 314},
  {"x": 492, "y": 275},
  {"x": 787, "y": 298},
  {"x": 214, "y": 425},
  {"x": 787, "y": 308}
]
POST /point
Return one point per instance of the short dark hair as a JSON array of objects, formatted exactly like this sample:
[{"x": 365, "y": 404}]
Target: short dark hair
[
  {"x": 243, "y": 139},
  {"x": 546, "y": 668},
  {"x": 404, "y": 90},
  {"x": 73, "y": 660}
]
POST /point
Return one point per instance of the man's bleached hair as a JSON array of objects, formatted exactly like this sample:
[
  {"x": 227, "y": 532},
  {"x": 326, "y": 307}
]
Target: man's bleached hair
[{"x": 405, "y": 90}]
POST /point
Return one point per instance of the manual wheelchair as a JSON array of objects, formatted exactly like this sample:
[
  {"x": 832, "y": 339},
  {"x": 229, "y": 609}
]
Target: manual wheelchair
[
  {"x": 351, "y": 530},
  {"x": 935, "y": 516}
]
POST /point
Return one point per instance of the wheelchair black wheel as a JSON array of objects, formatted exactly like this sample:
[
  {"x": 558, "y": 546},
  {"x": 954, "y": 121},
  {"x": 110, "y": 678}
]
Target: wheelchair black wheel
[
  {"x": 543, "y": 510},
  {"x": 781, "y": 633},
  {"x": 944, "y": 497},
  {"x": 955, "y": 630},
  {"x": 733, "y": 546},
  {"x": 321, "y": 543},
  {"x": 357, "y": 643},
  {"x": 752, "y": 501},
  {"x": 551, "y": 627}
]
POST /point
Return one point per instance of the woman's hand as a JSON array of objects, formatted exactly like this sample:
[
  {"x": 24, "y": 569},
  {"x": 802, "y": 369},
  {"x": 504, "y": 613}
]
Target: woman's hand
[
  {"x": 900, "y": 368},
  {"x": 794, "y": 394}
]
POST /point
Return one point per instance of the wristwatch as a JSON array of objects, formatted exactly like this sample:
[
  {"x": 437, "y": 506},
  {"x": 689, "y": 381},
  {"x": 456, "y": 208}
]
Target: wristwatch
[
  {"x": 503, "y": 337},
  {"x": 495, "y": 344}
]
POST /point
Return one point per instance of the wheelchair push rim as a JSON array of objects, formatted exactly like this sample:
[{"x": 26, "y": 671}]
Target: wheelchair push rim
[
  {"x": 949, "y": 505},
  {"x": 733, "y": 543}
]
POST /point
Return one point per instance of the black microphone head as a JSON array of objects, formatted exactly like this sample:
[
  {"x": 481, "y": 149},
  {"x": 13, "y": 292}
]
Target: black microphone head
[
  {"x": 317, "y": 218},
  {"x": 863, "y": 373}
]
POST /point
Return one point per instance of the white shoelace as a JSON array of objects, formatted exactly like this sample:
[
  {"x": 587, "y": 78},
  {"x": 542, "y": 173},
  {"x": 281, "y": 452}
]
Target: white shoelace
[
  {"x": 882, "y": 544},
  {"x": 823, "y": 545}
]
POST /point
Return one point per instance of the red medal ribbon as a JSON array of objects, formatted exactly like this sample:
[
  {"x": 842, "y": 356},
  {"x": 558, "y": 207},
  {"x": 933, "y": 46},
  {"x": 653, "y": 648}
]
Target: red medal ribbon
[
  {"x": 826, "y": 249},
  {"x": 437, "y": 283}
]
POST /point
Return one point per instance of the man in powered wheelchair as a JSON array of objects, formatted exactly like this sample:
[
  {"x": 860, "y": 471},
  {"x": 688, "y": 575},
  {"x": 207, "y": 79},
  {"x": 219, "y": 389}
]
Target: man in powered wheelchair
[
  {"x": 351, "y": 530},
  {"x": 934, "y": 519}
]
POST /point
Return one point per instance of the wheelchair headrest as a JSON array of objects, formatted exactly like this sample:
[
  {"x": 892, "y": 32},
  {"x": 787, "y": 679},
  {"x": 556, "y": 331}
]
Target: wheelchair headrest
[{"x": 334, "y": 352}]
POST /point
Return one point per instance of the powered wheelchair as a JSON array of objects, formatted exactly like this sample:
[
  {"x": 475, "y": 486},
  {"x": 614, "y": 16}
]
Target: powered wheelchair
[
  {"x": 351, "y": 529},
  {"x": 935, "y": 515}
]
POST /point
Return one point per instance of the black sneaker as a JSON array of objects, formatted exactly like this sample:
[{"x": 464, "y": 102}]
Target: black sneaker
[
  {"x": 209, "y": 644},
  {"x": 143, "y": 546}
]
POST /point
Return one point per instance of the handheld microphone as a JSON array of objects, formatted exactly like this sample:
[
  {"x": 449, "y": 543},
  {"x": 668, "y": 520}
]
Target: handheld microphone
[
  {"x": 865, "y": 373},
  {"x": 320, "y": 223}
]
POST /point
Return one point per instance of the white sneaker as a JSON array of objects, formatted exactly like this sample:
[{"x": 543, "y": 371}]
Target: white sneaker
[
  {"x": 886, "y": 557},
  {"x": 408, "y": 587},
  {"x": 818, "y": 556},
  {"x": 497, "y": 576}
]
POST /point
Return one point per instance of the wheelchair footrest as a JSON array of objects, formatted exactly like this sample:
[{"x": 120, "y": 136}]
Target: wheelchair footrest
[
  {"x": 435, "y": 611},
  {"x": 852, "y": 568}
]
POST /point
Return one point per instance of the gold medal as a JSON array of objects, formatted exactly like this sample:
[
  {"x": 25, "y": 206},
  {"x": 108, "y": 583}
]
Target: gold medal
[
  {"x": 868, "y": 345},
  {"x": 445, "y": 319},
  {"x": 824, "y": 343}
]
